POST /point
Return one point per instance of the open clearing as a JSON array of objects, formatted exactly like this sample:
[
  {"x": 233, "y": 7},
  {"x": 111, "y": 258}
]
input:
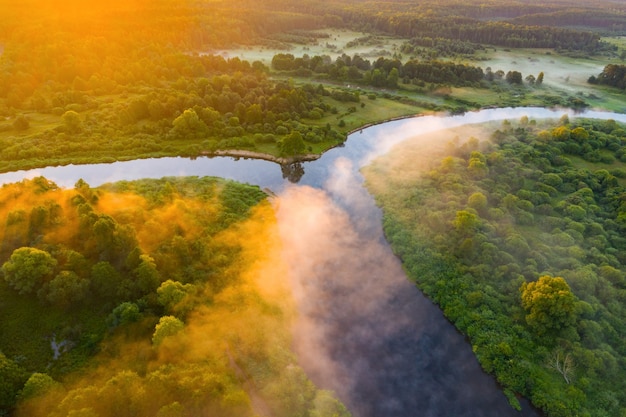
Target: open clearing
[{"x": 334, "y": 45}]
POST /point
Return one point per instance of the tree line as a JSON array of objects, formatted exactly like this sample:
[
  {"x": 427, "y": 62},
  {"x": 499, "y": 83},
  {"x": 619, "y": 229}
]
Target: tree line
[
  {"x": 383, "y": 72},
  {"x": 498, "y": 33}
]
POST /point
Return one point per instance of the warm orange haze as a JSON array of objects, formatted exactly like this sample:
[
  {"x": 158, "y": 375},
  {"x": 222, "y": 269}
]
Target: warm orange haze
[{"x": 364, "y": 264}]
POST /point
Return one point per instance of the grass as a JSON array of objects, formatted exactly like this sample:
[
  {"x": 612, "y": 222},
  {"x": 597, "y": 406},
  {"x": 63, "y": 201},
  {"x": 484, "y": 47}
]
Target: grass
[
  {"x": 595, "y": 166},
  {"x": 372, "y": 111},
  {"x": 334, "y": 46}
]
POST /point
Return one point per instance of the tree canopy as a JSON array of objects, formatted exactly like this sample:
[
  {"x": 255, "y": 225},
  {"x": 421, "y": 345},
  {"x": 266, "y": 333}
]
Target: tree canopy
[
  {"x": 527, "y": 258},
  {"x": 550, "y": 304},
  {"x": 27, "y": 268}
]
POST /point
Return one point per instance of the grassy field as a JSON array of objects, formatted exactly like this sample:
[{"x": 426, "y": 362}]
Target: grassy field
[
  {"x": 334, "y": 44},
  {"x": 564, "y": 76}
]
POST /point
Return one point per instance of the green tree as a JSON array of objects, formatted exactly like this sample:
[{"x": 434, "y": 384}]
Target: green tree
[
  {"x": 147, "y": 275},
  {"x": 579, "y": 134},
  {"x": 539, "y": 79},
  {"x": 477, "y": 165},
  {"x": 477, "y": 201},
  {"x": 106, "y": 282},
  {"x": 12, "y": 377},
  {"x": 27, "y": 268},
  {"x": 72, "y": 122},
  {"x": 392, "y": 78},
  {"x": 254, "y": 114},
  {"x": 326, "y": 405},
  {"x": 67, "y": 289},
  {"x": 293, "y": 144},
  {"x": 189, "y": 125},
  {"x": 37, "y": 384},
  {"x": 466, "y": 223},
  {"x": 174, "y": 409},
  {"x": 377, "y": 78},
  {"x": 166, "y": 327},
  {"x": 124, "y": 313},
  {"x": 549, "y": 303},
  {"x": 514, "y": 77},
  {"x": 171, "y": 293}
]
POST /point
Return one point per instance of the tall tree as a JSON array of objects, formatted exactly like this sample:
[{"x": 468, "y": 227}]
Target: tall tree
[
  {"x": 292, "y": 144},
  {"x": 539, "y": 79},
  {"x": 514, "y": 77},
  {"x": 27, "y": 268},
  {"x": 550, "y": 304}
]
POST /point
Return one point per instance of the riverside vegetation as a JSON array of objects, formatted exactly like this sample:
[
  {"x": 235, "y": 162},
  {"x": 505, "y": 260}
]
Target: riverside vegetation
[
  {"x": 135, "y": 299},
  {"x": 520, "y": 239},
  {"x": 134, "y": 79},
  {"x": 98, "y": 84}
]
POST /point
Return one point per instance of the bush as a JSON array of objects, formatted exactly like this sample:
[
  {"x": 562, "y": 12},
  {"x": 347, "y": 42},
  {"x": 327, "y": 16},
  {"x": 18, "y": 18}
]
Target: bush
[{"x": 21, "y": 123}]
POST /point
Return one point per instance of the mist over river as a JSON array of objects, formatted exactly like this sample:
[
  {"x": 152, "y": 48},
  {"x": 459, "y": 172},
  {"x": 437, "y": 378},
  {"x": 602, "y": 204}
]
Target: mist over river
[{"x": 365, "y": 331}]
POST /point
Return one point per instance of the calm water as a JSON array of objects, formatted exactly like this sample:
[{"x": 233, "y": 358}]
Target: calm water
[{"x": 365, "y": 331}]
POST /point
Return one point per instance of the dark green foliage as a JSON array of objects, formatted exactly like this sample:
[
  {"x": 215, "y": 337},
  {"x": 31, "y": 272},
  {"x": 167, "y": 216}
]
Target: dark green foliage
[
  {"x": 469, "y": 23},
  {"x": 124, "y": 313},
  {"x": 383, "y": 72},
  {"x": 12, "y": 378},
  {"x": 292, "y": 144},
  {"x": 27, "y": 269}
]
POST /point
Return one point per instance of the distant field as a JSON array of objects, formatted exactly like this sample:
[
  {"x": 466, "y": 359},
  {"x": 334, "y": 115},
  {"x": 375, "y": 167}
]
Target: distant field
[
  {"x": 334, "y": 45},
  {"x": 563, "y": 76}
]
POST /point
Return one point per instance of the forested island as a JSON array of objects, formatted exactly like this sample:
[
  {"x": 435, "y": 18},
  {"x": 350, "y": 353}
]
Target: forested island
[{"x": 103, "y": 291}]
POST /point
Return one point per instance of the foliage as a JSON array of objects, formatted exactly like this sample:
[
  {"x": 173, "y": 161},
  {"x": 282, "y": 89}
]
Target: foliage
[
  {"x": 533, "y": 271},
  {"x": 12, "y": 378},
  {"x": 38, "y": 384},
  {"x": 480, "y": 24},
  {"x": 105, "y": 93},
  {"x": 550, "y": 304},
  {"x": 383, "y": 72},
  {"x": 613, "y": 75},
  {"x": 141, "y": 302},
  {"x": 167, "y": 326},
  {"x": 27, "y": 268}
]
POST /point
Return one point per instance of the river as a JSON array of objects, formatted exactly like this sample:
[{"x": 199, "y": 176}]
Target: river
[{"x": 365, "y": 331}]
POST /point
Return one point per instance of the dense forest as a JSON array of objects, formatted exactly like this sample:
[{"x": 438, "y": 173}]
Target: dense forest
[
  {"x": 138, "y": 79},
  {"x": 138, "y": 298},
  {"x": 520, "y": 240}
]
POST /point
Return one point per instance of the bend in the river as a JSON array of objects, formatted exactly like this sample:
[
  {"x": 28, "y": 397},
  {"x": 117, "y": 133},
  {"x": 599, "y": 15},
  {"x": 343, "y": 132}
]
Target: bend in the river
[{"x": 365, "y": 331}]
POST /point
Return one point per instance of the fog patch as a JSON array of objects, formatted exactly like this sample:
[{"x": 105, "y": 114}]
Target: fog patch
[{"x": 363, "y": 330}]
